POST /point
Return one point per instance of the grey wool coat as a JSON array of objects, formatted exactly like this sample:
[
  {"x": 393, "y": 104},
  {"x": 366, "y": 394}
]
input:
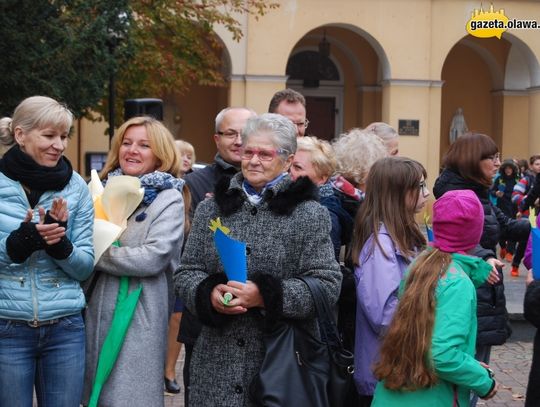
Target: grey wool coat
[
  {"x": 287, "y": 235},
  {"x": 150, "y": 249}
]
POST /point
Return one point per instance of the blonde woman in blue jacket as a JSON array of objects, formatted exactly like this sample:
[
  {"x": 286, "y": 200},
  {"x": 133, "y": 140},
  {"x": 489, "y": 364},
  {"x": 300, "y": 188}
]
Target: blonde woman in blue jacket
[{"x": 46, "y": 249}]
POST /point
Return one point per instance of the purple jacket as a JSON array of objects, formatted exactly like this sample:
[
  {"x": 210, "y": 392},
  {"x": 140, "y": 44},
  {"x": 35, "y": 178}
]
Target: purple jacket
[
  {"x": 377, "y": 283},
  {"x": 527, "y": 260}
]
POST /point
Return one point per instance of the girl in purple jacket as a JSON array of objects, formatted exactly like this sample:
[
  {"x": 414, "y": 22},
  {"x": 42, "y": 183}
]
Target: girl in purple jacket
[{"x": 385, "y": 239}]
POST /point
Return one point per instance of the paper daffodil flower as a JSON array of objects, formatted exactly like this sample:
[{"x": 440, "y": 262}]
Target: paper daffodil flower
[{"x": 113, "y": 204}]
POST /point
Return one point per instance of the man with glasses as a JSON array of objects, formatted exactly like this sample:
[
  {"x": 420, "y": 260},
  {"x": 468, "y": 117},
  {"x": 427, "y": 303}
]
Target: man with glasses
[
  {"x": 229, "y": 125},
  {"x": 292, "y": 105}
]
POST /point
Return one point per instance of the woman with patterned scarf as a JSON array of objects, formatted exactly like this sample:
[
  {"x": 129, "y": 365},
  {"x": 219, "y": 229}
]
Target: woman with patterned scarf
[{"x": 149, "y": 250}]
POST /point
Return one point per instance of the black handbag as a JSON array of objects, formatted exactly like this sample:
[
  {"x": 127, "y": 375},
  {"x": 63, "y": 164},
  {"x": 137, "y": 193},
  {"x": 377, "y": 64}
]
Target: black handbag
[{"x": 300, "y": 370}]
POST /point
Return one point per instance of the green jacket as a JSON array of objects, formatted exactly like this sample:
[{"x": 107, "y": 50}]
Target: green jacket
[{"x": 452, "y": 344}]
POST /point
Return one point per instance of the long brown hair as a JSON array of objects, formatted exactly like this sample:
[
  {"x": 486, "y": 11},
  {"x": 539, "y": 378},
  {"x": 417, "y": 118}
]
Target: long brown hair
[
  {"x": 465, "y": 154},
  {"x": 405, "y": 362},
  {"x": 391, "y": 184},
  {"x": 186, "y": 193}
]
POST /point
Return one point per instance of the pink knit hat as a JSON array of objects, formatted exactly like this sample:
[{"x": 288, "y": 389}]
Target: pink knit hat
[{"x": 458, "y": 220}]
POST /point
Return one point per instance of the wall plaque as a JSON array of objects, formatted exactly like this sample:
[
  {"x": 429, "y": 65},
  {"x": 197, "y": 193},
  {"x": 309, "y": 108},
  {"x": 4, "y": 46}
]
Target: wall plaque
[{"x": 408, "y": 127}]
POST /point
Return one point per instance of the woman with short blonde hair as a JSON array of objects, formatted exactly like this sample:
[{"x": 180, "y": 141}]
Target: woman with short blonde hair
[
  {"x": 320, "y": 160},
  {"x": 46, "y": 251}
]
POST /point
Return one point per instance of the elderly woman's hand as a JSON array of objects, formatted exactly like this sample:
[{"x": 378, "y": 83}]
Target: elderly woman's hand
[
  {"x": 245, "y": 296},
  {"x": 248, "y": 294},
  {"x": 232, "y": 308}
]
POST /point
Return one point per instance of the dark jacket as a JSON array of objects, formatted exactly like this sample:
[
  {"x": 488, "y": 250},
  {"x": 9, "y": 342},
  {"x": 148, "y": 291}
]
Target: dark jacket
[
  {"x": 200, "y": 183},
  {"x": 203, "y": 181},
  {"x": 493, "y": 328},
  {"x": 505, "y": 184},
  {"x": 342, "y": 209}
]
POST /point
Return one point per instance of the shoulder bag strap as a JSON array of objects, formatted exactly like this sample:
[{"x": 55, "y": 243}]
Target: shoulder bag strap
[{"x": 325, "y": 316}]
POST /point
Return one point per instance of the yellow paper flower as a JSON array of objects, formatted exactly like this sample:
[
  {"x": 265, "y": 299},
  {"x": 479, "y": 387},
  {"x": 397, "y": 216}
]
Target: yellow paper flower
[
  {"x": 113, "y": 205},
  {"x": 215, "y": 224}
]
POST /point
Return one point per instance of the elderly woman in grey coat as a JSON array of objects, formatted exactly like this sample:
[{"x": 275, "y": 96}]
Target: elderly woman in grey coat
[
  {"x": 287, "y": 234},
  {"x": 148, "y": 253}
]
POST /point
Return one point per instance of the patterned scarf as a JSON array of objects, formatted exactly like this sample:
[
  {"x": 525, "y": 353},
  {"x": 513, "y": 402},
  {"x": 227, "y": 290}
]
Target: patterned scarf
[
  {"x": 342, "y": 185},
  {"x": 326, "y": 190},
  {"x": 154, "y": 183},
  {"x": 256, "y": 197}
]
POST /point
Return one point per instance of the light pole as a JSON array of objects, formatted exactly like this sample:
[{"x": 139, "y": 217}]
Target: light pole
[
  {"x": 115, "y": 37},
  {"x": 112, "y": 89}
]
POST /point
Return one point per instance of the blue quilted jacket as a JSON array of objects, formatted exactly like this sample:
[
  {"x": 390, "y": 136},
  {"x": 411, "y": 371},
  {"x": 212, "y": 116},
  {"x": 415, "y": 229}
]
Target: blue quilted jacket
[{"x": 44, "y": 288}]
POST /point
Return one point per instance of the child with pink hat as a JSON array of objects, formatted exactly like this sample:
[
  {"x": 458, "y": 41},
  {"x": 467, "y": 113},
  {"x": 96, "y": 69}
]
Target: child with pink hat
[{"x": 427, "y": 357}]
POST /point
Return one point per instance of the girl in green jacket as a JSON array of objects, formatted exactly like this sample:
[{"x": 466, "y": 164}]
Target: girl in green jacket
[{"x": 427, "y": 356}]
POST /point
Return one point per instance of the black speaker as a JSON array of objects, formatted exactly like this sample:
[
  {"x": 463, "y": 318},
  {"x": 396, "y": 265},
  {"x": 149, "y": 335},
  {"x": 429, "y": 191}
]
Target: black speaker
[{"x": 143, "y": 107}]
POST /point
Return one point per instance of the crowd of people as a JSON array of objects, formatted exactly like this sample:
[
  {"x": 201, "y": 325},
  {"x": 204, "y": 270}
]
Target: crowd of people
[{"x": 419, "y": 312}]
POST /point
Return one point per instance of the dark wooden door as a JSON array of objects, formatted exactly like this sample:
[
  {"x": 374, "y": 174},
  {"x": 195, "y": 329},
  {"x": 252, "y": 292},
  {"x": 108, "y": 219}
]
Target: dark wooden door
[{"x": 321, "y": 113}]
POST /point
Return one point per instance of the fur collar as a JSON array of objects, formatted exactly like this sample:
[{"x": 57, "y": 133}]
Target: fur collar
[{"x": 282, "y": 198}]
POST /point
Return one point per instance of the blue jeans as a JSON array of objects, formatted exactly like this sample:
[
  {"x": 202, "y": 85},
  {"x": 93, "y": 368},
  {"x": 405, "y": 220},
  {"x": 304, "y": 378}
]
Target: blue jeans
[{"x": 51, "y": 357}]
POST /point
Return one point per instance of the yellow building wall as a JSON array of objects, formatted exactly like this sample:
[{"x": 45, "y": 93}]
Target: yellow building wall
[
  {"x": 416, "y": 102},
  {"x": 467, "y": 84},
  {"x": 195, "y": 114},
  {"x": 515, "y": 127},
  {"x": 534, "y": 122},
  {"x": 393, "y": 41}
]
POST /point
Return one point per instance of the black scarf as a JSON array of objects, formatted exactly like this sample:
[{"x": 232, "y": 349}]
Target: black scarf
[{"x": 19, "y": 166}]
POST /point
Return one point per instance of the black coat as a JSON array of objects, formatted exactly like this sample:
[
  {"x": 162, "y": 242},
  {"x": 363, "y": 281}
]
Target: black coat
[
  {"x": 493, "y": 328},
  {"x": 203, "y": 181}
]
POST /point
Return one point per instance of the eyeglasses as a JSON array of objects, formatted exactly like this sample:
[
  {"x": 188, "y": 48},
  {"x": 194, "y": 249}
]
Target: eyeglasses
[
  {"x": 494, "y": 157},
  {"x": 229, "y": 134},
  {"x": 303, "y": 124},
  {"x": 263, "y": 154},
  {"x": 424, "y": 189}
]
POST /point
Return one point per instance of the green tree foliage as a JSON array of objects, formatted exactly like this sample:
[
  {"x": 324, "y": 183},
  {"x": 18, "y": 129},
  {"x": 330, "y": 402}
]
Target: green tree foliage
[
  {"x": 175, "y": 44},
  {"x": 67, "y": 49},
  {"x": 57, "y": 48}
]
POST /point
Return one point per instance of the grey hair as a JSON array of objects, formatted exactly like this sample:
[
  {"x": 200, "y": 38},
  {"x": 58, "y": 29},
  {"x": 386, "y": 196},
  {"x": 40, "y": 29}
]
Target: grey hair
[
  {"x": 35, "y": 112},
  {"x": 356, "y": 151},
  {"x": 282, "y": 129},
  {"x": 223, "y": 112},
  {"x": 383, "y": 130}
]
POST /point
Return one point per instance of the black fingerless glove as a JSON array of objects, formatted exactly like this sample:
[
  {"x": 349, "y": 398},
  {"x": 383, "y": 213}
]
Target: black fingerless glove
[
  {"x": 49, "y": 219},
  {"x": 22, "y": 242},
  {"x": 64, "y": 247}
]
